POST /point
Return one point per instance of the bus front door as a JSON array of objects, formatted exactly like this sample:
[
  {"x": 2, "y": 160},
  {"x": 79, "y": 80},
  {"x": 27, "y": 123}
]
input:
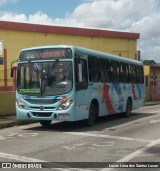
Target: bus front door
[{"x": 81, "y": 79}]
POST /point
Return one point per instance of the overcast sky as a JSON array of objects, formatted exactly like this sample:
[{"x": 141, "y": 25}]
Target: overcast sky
[{"x": 142, "y": 16}]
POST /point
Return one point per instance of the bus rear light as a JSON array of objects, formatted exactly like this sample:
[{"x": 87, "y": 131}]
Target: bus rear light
[{"x": 64, "y": 115}]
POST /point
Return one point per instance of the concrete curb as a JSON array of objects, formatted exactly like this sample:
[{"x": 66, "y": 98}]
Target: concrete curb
[
  {"x": 10, "y": 123},
  {"x": 7, "y": 124},
  {"x": 150, "y": 103}
]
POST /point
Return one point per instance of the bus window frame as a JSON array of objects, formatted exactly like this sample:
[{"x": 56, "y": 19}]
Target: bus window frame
[
  {"x": 80, "y": 84},
  {"x": 123, "y": 72},
  {"x": 93, "y": 77},
  {"x": 102, "y": 71},
  {"x": 114, "y": 71}
]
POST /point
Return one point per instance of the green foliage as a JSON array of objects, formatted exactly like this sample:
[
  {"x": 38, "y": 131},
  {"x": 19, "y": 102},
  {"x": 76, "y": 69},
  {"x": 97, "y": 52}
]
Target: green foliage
[{"x": 148, "y": 62}]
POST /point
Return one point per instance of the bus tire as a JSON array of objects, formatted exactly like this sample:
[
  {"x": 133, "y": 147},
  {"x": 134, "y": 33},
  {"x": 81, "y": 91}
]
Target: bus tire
[
  {"x": 128, "y": 108},
  {"x": 92, "y": 116},
  {"x": 45, "y": 123}
]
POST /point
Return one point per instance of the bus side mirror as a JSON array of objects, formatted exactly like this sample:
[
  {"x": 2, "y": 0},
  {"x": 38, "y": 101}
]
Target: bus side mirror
[{"x": 12, "y": 70}]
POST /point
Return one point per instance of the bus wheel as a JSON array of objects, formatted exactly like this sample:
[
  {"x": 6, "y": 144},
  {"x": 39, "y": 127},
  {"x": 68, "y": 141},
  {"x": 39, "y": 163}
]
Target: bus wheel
[
  {"x": 128, "y": 108},
  {"x": 92, "y": 115},
  {"x": 45, "y": 123}
]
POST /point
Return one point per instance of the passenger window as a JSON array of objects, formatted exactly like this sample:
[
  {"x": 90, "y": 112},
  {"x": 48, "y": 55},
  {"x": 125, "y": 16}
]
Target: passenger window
[
  {"x": 114, "y": 71},
  {"x": 123, "y": 75},
  {"x": 140, "y": 74},
  {"x": 132, "y": 74},
  {"x": 104, "y": 70},
  {"x": 93, "y": 69},
  {"x": 81, "y": 74}
]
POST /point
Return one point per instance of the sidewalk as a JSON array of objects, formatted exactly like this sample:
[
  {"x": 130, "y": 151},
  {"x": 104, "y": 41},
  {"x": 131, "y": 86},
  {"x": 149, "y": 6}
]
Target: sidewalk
[
  {"x": 150, "y": 103},
  {"x": 10, "y": 120},
  {"x": 7, "y": 121}
]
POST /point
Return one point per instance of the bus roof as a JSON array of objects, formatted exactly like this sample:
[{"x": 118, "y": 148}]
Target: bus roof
[
  {"x": 104, "y": 54},
  {"x": 88, "y": 52}
]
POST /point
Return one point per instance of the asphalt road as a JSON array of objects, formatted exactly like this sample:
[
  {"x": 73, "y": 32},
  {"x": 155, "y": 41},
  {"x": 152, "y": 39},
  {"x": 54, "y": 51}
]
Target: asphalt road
[{"x": 112, "y": 139}]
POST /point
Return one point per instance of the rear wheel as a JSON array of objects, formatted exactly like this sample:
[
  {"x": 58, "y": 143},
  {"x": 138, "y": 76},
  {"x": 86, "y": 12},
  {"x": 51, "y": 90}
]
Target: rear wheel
[
  {"x": 128, "y": 108},
  {"x": 92, "y": 115},
  {"x": 45, "y": 123}
]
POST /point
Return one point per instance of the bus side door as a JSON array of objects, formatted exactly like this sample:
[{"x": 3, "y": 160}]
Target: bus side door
[{"x": 81, "y": 80}]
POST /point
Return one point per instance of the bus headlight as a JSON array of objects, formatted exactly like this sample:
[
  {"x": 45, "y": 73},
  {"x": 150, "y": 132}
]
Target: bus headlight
[
  {"x": 65, "y": 105},
  {"x": 21, "y": 104}
]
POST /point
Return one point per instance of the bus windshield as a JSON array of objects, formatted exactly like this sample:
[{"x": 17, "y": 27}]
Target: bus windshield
[{"x": 45, "y": 78}]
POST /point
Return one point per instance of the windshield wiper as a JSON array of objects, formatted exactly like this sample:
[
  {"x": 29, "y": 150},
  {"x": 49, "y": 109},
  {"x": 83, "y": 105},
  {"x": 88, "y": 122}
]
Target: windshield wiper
[{"x": 53, "y": 66}]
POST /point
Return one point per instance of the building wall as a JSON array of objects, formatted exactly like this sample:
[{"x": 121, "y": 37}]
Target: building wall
[
  {"x": 17, "y": 36},
  {"x": 152, "y": 77},
  {"x": 147, "y": 82},
  {"x": 7, "y": 104},
  {"x": 14, "y": 41},
  {"x": 155, "y": 83}
]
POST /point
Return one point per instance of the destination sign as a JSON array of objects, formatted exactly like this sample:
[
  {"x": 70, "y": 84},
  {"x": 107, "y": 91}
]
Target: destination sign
[{"x": 49, "y": 53}]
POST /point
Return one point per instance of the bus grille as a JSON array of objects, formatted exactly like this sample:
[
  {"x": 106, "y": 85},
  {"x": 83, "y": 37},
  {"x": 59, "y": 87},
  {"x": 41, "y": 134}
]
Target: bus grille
[
  {"x": 45, "y": 114},
  {"x": 44, "y": 108},
  {"x": 42, "y": 101}
]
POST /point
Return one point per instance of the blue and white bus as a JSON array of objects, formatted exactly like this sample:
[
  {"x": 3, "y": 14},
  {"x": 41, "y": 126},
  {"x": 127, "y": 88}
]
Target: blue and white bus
[{"x": 70, "y": 83}]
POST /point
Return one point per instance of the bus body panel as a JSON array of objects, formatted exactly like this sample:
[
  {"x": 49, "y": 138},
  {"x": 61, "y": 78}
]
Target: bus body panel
[
  {"x": 111, "y": 96},
  {"x": 45, "y": 111}
]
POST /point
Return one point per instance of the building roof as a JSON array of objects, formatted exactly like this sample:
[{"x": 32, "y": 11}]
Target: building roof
[{"x": 67, "y": 30}]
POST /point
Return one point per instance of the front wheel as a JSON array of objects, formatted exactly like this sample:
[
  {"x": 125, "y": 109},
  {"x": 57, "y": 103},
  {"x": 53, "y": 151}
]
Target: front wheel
[
  {"x": 45, "y": 123},
  {"x": 92, "y": 115}
]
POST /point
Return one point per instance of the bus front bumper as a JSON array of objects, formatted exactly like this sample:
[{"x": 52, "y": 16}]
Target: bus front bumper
[{"x": 61, "y": 115}]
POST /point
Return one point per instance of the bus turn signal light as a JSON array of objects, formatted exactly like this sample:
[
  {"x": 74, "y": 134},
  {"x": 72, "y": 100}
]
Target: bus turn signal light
[{"x": 64, "y": 115}]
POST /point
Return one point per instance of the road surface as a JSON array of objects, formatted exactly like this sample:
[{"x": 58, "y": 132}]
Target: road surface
[{"x": 112, "y": 141}]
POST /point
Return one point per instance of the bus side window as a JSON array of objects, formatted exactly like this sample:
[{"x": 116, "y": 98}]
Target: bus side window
[
  {"x": 127, "y": 73},
  {"x": 104, "y": 75},
  {"x": 81, "y": 75},
  {"x": 132, "y": 74},
  {"x": 114, "y": 71},
  {"x": 123, "y": 75},
  {"x": 93, "y": 69},
  {"x": 140, "y": 74},
  {"x": 137, "y": 75}
]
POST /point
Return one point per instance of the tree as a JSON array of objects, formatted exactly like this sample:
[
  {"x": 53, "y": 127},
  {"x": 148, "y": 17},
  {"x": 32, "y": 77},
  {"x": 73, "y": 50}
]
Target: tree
[{"x": 148, "y": 62}]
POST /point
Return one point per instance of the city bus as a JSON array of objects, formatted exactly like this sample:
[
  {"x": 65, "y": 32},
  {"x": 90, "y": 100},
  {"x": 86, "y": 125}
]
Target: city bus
[{"x": 70, "y": 83}]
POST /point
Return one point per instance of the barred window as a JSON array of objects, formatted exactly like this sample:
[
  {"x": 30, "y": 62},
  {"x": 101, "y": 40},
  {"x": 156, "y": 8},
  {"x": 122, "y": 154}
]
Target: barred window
[
  {"x": 132, "y": 74},
  {"x": 140, "y": 74},
  {"x": 104, "y": 70},
  {"x": 123, "y": 73},
  {"x": 114, "y": 71},
  {"x": 93, "y": 68}
]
